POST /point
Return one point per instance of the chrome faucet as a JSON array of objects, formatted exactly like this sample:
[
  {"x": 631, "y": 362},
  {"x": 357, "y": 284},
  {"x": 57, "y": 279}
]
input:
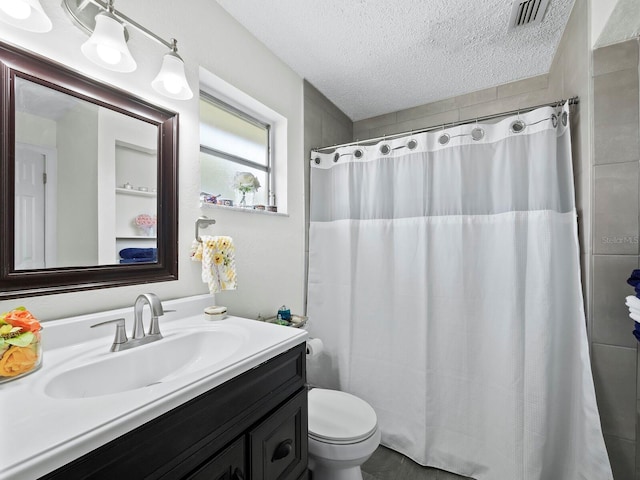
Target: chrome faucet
[{"x": 138, "y": 337}]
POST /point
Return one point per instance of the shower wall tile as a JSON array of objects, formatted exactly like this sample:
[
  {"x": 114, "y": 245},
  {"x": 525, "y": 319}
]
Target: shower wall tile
[
  {"x": 333, "y": 133},
  {"x": 611, "y": 322},
  {"x": 616, "y": 117},
  {"x": 616, "y": 209},
  {"x": 638, "y": 442},
  {"x": 506, "y": 104},
  {"x": 312, "y": 126},
  {"x": 576, "y": 57},
  {"x": 415, "y": 124},
  {"x": 585, "y": 273},
  {"x": 622, "y": 455},
  {"x": 526, "y": 85},
  {"x": 638, "y": 382},
  {"x": 427, "y": 110},
  {"x": 582, "y": 182},
  {"x": 579, "y": 144},
  {"x": 479, "y": 96},
  {"x": 313, "y": 95},
  {"x": 360, "y": 132},
  {"x": 379, "y": 121},
  {"x": 614, "y": 374},
  {"x": 614, "y": 58}
]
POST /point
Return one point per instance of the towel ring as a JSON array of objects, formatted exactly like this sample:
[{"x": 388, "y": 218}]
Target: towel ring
[{"x": 203, "y": 222}]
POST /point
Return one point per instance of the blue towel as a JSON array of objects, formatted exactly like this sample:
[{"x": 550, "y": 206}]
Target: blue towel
[
  {"x": 138, "y": 260},
  {"x": 139, "y": 254},
  {"x": 634, "y": 279}
]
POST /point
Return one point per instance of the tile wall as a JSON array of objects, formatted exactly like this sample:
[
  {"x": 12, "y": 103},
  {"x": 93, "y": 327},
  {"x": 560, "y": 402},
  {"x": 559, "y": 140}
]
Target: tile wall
[
  {"x": 324, "y": 124},
  {"x": 616, "y": 198}
]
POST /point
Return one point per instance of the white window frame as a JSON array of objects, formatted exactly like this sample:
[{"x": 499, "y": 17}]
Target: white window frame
[{"x": 226, "y": 94}]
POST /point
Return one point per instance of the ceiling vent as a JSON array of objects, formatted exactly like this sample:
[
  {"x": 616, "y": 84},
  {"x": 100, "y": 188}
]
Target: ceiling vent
[{"x": 527, "y": 12}]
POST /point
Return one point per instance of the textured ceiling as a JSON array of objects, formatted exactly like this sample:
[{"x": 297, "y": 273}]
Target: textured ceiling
[{"x": 371, "y": 57}]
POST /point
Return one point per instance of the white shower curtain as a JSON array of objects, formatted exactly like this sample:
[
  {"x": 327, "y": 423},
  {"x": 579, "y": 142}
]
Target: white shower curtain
[{"x": 444, "y": 280}]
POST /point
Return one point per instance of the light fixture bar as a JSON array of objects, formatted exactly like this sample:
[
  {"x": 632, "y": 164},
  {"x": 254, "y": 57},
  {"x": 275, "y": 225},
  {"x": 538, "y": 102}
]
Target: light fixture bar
[
  {"x": 84, "y": 16},
  {"x": 107, "y": 47}
]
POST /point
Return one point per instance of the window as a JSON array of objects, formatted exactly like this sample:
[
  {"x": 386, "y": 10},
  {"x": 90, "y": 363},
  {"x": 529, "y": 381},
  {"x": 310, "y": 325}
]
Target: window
[{"x": 233, "y": 142}]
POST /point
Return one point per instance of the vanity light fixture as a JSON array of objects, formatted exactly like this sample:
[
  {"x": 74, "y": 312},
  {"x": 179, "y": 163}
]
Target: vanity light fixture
[
  {"x": 107, "y": 46},
  {"x": 171, "y": 80},
  {"x": 25, "y": 14}
]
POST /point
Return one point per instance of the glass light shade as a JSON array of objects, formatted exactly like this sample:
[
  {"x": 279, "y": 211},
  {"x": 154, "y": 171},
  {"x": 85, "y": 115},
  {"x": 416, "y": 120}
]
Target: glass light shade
[
  {"x": 107, "y": 46},
  {"x": 171, "y": 81},
  {"x": 25, "y": 14}
]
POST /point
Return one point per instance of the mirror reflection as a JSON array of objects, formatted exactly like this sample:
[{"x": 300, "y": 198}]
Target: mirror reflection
[{"x": 86, "y": 182}]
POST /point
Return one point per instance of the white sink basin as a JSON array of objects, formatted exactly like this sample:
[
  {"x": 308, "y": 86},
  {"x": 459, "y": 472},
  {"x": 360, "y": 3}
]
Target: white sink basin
[{"x": 172, "y": 358}]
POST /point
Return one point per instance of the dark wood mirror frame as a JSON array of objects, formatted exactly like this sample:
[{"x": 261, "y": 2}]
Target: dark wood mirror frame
[{"x": 22, "y": 283}]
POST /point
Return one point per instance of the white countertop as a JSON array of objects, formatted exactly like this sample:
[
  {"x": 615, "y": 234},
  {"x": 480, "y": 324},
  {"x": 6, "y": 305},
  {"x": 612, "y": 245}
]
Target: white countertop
[{"x": 39, "y": 433}]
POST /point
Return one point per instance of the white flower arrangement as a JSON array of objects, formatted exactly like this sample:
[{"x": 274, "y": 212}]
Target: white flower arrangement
[{"x": 245, "y": 182}]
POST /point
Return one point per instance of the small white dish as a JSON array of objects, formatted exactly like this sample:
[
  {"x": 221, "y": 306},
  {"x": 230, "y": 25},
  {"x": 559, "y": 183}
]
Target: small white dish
[{"x": 215, "y": 313}]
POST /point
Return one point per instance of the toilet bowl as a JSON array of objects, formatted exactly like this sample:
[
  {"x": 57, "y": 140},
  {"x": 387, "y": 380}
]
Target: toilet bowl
[{"x": 343, "y": 433}]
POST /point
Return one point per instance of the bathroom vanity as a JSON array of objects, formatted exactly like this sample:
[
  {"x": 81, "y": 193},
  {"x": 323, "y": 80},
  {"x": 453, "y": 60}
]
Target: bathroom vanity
[
  {"x": 234, "y": 407},
  {"x": 253, "y": 426}
]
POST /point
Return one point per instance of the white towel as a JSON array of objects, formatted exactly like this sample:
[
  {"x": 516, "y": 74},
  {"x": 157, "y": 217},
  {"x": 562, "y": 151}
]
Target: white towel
[
  {"x": 634, "y": 311},
  {"x": 632, "y": 301},
  {"x": 635, "y": 316},
  {"x": 217, "y": 255}
]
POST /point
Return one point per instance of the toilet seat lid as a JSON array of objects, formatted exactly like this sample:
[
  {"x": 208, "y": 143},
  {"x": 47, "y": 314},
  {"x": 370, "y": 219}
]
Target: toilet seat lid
[{"x": 339, "y": 417}]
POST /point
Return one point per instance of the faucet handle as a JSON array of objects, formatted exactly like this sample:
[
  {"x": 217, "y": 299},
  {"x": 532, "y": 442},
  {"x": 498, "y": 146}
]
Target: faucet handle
[
  {"x": 154, "y": 326},
  {"x": 121, "y": 334}
]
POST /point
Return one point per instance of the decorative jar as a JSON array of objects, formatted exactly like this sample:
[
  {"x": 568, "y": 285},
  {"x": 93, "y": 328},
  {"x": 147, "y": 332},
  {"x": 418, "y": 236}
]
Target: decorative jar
[{"x": 20, "y": 347}]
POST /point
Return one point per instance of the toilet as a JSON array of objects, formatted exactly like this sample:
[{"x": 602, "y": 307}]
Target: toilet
[{"x": 343, "y": 433}]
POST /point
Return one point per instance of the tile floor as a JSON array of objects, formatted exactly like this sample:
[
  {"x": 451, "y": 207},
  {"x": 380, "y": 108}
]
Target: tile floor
[{"x": 386, "y": 464}]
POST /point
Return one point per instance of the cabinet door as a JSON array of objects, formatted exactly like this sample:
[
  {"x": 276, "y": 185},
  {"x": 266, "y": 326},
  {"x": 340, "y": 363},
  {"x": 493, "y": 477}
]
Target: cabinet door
[
  {"x": 226, "y": 465},
  {"x": 278, "y": 445}
]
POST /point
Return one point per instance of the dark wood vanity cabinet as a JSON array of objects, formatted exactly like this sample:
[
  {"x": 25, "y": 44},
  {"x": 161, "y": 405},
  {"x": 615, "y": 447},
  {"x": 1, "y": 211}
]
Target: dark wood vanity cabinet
[{"x": 252, "y": 427}]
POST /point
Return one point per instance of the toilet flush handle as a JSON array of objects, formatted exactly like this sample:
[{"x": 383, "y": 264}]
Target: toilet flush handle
[{"x": 282, "y": 450}]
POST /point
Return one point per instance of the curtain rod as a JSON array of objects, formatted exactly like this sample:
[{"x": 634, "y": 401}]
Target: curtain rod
[{"x": 571, "y": 101}]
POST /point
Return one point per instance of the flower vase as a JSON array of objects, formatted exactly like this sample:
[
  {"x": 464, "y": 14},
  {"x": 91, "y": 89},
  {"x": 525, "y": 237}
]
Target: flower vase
[{"x": 244, "y": 199}]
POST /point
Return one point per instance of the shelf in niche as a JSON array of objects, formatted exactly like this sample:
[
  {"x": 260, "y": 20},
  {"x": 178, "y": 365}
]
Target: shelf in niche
[
  {"x": 137, "y": 193},
  {"x": 215, "y": 206},
  {"x": 134, "y": 237}
]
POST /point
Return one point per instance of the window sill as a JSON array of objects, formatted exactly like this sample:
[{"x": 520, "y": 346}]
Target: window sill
[{"x": 214, "y": 206}]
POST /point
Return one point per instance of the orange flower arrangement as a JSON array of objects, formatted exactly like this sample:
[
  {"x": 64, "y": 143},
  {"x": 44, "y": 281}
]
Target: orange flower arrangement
[
  {"x": 19, "y": 343},
  {"x": 18, "y": 360}
]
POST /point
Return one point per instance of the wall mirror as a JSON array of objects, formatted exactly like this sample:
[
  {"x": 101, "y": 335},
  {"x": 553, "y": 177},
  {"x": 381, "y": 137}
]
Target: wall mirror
[{"x": 88, "y": 180}]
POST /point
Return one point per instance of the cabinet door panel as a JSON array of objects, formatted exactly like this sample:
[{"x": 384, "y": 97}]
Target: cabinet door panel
[
  {"x": 278, "y": 445},
  {"x": 227, "y": 465}
]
